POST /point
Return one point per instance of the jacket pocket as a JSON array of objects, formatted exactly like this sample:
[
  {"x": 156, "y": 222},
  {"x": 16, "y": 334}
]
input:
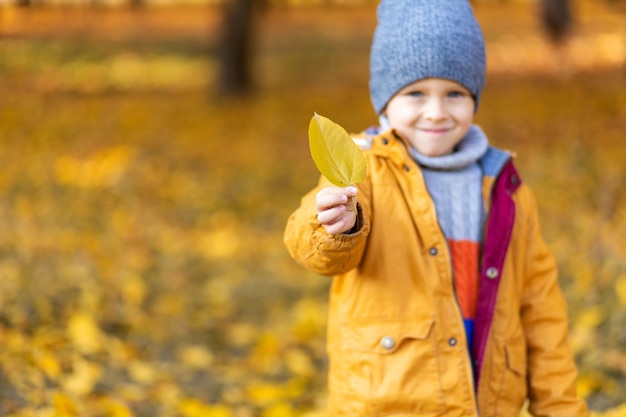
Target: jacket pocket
[
  {"x": 391, "y": 367},
  {"x": 515, "y": 353},
  {"x": 514, "y": 388},
  {"x": 384, "y": 337}
]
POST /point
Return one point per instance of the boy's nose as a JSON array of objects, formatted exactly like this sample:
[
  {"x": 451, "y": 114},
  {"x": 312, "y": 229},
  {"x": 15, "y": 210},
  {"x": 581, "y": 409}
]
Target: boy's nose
[{"x": 434, "y": 109}]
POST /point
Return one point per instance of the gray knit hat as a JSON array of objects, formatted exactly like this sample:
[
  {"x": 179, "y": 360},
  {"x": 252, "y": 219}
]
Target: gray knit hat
[{"x": 417, "y": 39}]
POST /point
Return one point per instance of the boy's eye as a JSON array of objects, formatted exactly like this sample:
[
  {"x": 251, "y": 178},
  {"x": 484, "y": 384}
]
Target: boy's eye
[
  {"x": 456, "y": 94},
  {"x": 415, "y": 93}
]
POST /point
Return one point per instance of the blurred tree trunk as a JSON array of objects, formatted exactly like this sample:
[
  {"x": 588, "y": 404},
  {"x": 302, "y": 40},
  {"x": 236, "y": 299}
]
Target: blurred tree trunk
[
  {"x": 557, "y": 21},
  {"x": 24, "y": 3},
  {"x": 235, "y": 48},
  {"x": 556, "y": 17}
]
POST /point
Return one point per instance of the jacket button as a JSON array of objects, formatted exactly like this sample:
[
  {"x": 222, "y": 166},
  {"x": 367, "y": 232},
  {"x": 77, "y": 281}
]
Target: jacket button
[
  {"x": 387, "y": 342},
  {"x": 452, "y": 341},
  {"x": 492, "y": 273},
  {"x": 406, "y": 168},
  {"x": 433, "y": 251},
  {"x": 385, "y": 141}
]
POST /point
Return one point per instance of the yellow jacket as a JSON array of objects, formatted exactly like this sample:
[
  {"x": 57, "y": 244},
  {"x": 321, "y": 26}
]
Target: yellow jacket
[{"x": 396, "y": 340}]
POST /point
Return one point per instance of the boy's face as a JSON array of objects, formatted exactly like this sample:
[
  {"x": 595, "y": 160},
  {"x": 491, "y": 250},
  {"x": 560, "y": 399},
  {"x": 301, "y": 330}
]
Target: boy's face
[{"x": 433, "y": 114}]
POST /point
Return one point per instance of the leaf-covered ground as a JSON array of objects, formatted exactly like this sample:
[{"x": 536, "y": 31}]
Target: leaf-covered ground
[{"x": 142, "y": 271}]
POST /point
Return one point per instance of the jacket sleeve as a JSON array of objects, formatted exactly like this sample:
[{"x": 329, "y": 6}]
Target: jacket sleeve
[
  {"x": 551, "y": 367},
  {"x": 311, "y": 246}
]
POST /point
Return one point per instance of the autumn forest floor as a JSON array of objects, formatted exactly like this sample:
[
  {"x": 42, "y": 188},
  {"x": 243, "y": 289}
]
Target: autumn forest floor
[{"x": 142, "y": 271}]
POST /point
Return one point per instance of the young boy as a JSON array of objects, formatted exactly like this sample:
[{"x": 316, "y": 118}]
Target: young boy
[{"x": 445, "y": 299}]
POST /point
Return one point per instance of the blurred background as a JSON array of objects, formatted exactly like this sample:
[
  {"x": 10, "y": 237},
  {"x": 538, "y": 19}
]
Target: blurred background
[{"x": 151, "y": 152}]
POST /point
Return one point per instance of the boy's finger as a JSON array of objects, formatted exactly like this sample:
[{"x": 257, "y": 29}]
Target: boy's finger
[
  {"x": 329, "y": 200},
  {"x": 332, "y": 196},
  {"x": 350, "y": 190},
  {"x": 331, "y": 216}
]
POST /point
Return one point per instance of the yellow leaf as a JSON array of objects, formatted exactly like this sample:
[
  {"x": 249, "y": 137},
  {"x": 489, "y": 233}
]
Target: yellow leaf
[
  {"x": 84, "y": 377},
  {"x": 195, "y": 408},
  {"x": 63, "y": 406},
  {"x": 308, "y": 317},
  {"x": 620, "y": 289},
  {"x": 587, "y": 383},
  {"x": 334, "y": 152},
  {"x": 117, "y": 409},
  {"x": 299, "y": 362},
  {"x": 242, "y": 334},
  {"x": 590, "y": 318},
  {"x": 48, "y": 363},
  {"x": 134, "y": 290},
  {"x": 191, "y": 407},
  {"x": 132, "y": 393},
  {"x": 84, "y": 333},
  {"x": 142, "y": 372},
  {"x": 278, "y": 410},
  {"x": 524, "y": 412},
  {"x": 103, "y": 169},
  {"x": 218, "y": 411},
  {"x": 265, "y": 355},
  {"x": 219, "y": 243},
  {"x": 314, "y": 413},
  {"x": 195, "y": 356},
  {"x": 14, "y": 341},
  {"x": 168, "y": 393},
  {"x": 266, "y": 393}
]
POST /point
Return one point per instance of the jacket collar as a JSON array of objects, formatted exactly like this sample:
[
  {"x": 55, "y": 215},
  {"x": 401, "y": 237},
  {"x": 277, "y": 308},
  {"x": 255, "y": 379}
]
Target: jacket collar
[
  {"x": 390, "y": 144},
  {"x": 493, "y": 161}
]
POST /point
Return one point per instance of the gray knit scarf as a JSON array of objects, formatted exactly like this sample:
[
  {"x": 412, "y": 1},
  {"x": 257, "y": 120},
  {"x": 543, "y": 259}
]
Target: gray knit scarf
[
  {"x": 455, "y": 184},
  {"x": 468, "y": 151}
]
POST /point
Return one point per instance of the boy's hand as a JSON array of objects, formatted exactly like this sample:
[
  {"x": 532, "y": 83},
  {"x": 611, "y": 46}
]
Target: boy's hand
[{"x": 335, "y": 208}]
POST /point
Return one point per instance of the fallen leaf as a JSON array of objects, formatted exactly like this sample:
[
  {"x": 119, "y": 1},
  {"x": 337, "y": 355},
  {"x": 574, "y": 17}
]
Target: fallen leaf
[
  {"x": 63, "y": 405},
  {"x": 620, "y": 289},
  {"x": 84, "y": 377},
  {"x": 195, "y": 356},
  {"x": 84, "y": 333}
]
